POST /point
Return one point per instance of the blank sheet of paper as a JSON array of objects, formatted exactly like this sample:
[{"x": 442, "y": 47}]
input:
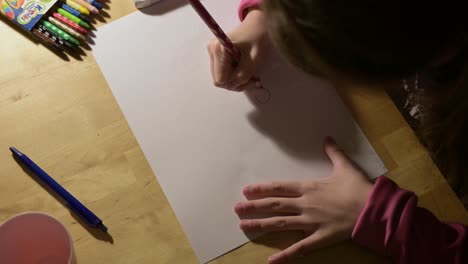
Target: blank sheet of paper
[{"x": 204, "y": 143}]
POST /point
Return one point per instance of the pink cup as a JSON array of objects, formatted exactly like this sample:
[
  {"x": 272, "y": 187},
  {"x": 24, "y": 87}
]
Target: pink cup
[{"x": 35, "y": 238}]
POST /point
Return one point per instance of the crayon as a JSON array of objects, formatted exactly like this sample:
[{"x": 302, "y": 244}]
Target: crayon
[
  {"x": 60, "y": 32},
  {"x": 54, "y": 36},
  {"x": 74, "y": 12},
  {"x": 73, "y": 18},
  {"x": 47, "y": 40},
  {"x": 86, "y": 5},
  {"x": 95, "y": 3},
  {"x": 70, "y": 23},
  {"x": 76, "y": 6},
  {"x": 66, "y": 28}
]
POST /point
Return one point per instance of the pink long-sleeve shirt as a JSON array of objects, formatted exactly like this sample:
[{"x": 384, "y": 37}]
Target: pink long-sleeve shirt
[{"x": 393, "y": 225}]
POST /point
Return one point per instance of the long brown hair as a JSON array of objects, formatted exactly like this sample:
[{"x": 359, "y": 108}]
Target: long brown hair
[{"x": 388, "y": 40}]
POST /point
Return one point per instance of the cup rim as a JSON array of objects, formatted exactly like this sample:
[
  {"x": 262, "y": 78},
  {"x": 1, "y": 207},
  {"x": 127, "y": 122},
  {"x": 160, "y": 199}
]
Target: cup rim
[{"x": 67, "y": 233}]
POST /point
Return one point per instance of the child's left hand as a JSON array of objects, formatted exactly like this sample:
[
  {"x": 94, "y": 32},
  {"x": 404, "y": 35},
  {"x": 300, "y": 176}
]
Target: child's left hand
[{"x": 325, "y": 209}]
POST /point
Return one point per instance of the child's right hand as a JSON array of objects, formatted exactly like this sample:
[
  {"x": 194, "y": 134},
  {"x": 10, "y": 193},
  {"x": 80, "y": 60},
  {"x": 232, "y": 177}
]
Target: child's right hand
[{"x": 250, "y": 38}]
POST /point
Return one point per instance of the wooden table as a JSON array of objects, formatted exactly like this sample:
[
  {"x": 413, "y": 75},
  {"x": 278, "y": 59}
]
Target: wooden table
[{"x": 63, "y": 115}]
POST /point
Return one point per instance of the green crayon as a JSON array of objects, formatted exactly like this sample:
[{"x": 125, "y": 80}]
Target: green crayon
[
  {"x": 73, "y": 18},
  {"x": 60, "y": 33}
]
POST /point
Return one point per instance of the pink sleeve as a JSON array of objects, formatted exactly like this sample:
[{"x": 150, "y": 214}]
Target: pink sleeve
[
  {"x": 393, "y": 225},
  {"x": 246, "y": 4}
]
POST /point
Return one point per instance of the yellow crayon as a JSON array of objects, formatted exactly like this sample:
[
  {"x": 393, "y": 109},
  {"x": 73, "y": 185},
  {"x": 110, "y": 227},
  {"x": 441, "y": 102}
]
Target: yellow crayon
[
  {"x": 78, "y": 7},
  {"x": 86, "y": 5}
]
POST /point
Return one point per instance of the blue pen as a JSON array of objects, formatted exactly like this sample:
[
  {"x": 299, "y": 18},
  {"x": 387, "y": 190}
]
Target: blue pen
[
  {"x": 75, "y": 12},
  {"x": 76, "y": 206}
]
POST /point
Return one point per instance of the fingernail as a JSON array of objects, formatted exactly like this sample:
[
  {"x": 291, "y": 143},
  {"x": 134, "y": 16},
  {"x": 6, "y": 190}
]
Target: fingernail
[
  {"x": 245, "y": 224},
  {"x": 273, "y": 258},
  {"x": 238, "y": 207},
  {"x": 242, "y": 225},
  {"x": 218, "y": 81}
]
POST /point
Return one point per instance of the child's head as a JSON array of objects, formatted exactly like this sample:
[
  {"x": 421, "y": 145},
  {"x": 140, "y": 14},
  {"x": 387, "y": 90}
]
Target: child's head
[
  {"x": 381, "y": 40},
  {"x": 366, "y": 38}
]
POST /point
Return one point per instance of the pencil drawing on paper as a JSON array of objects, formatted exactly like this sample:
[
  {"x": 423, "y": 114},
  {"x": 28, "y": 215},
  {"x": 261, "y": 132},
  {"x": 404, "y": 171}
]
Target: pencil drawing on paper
[{"x": 262, "y": 95}]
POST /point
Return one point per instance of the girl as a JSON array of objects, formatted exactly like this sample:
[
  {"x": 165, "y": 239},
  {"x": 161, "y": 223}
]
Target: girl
[{"x": 363, "y": 40}]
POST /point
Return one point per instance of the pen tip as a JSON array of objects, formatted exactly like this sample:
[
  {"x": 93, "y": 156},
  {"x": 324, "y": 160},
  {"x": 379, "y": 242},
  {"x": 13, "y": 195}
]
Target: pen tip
[{"x": 15, "y": 151}]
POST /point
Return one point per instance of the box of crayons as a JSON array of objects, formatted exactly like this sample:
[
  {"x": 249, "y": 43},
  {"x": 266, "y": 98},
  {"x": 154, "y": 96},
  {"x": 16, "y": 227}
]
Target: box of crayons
[{"x": 62, "y": 25}]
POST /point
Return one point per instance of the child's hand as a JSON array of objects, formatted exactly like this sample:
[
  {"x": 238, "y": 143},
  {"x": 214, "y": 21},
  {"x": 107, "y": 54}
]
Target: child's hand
[
  {"x": 326, "y": 209},
  {"x": 249, "y": 38}
]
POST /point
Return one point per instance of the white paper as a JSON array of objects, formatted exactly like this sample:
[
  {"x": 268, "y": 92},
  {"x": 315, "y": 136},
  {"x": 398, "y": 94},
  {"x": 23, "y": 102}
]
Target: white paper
[{"x": 204, "y": 143}]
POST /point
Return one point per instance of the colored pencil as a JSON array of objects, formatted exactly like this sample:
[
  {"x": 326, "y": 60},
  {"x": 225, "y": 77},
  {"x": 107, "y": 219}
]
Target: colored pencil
[
  {"x": 215, "y": 28},
  {"x": 219, "y": 33}
]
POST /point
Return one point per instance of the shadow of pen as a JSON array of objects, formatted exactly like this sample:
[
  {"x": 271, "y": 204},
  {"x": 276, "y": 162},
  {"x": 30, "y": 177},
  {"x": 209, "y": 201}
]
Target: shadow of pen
[{"x": 95, "y": 232}]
